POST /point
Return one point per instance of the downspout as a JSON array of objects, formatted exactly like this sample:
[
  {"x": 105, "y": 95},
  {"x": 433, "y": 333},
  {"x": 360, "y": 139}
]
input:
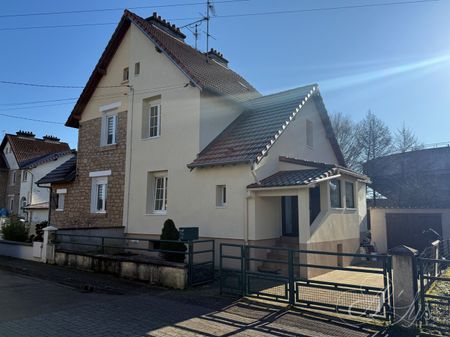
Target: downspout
[{"x": 130, "y": 160}]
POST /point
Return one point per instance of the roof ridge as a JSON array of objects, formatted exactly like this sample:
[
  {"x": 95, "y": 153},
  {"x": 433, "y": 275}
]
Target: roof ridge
[{"x": 284, "y": 91}]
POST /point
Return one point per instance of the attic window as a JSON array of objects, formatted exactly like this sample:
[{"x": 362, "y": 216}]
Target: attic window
[
  {"x": 137, "y": 68},
  {"x": 126, "y": 74}
]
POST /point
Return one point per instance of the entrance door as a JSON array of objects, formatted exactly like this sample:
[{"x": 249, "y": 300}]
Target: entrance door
[{"x": 289, "y": 213}]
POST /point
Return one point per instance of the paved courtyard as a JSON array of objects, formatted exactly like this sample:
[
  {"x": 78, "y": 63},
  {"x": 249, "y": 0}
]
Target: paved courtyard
[{"x": 40, "y": 300}]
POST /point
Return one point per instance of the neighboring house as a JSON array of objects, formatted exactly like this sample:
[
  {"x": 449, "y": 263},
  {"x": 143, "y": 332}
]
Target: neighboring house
[
  {"x": 168, "y": 132},
  {"x": 3, "y": 182},
  {"x": 416, "y": 190},
  {"x": 29, "y": 159}
]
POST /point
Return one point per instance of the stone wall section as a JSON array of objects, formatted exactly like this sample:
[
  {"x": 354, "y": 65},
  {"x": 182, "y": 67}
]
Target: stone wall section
[{"x": 93, "y": 157}]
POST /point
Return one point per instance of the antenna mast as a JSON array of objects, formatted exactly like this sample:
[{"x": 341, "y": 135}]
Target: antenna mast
[{"x": 209, "y": 9}]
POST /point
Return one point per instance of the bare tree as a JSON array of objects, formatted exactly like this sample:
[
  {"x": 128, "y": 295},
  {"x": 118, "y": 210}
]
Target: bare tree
[
  {"x": 405, "y": 140},
  {"x": 373, "y": 138},
  {"x": 345, "y": 129}
]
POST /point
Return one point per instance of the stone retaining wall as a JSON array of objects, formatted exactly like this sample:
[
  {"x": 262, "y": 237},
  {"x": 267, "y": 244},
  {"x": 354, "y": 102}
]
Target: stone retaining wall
[{"x": 166, "y": 274}]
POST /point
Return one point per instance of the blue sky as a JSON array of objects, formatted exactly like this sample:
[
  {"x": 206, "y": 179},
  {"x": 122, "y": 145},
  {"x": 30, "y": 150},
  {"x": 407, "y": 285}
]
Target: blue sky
[{"x": 394, "y": 60}]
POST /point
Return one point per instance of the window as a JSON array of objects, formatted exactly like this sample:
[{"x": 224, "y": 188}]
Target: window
[
  {"x": 309, "y": 133},
  {"x": 154, "y": 121},
  {"x": 98, "y": 194},
  {"x": 60, "y": 196},
  {"x": 349, "y": 195},
  {"x": 13, "y": 178},
  {"x": 157, "y": 192},
  {"x": 137, "y": 68},
  {"x": 335, "y": 193},
  {"x": 221, "y": 195},
  {"x": 109, "y": 130},
  {"x": 24, "y": 176},
  {"x": 126, "y": 74},
  {"x": 160, "y": 205}
]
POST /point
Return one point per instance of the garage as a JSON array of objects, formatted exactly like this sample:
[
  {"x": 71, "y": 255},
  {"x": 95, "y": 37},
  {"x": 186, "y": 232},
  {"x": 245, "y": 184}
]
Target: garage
[
  {"x": 412, "y": 230},
  {"x": 391, "y": 227}
]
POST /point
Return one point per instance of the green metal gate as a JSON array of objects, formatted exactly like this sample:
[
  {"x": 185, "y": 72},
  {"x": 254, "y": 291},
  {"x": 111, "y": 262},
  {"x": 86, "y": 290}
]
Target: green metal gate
[{"x": 309, "y": 279}]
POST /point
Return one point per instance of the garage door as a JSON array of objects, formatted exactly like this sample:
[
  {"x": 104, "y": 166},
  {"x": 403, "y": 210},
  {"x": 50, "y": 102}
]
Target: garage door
[{"x": 408, "y": 229}]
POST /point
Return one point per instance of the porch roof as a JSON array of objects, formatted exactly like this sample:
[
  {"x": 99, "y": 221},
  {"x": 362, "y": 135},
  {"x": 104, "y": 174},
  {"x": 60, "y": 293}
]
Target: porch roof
[{"x": 296, "y": 177}]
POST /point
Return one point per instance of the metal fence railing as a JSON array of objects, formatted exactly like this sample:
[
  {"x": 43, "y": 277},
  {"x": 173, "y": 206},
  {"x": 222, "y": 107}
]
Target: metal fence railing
[
  {"x": 197, "y": 255},
  {"x": 340, "y": 282}
]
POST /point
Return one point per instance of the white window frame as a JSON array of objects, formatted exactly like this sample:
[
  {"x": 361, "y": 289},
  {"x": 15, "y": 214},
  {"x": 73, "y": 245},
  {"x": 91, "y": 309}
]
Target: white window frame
[
  {"x": 61, "y": 195},
  {"x": 221, "y": 196},
  {"x": 340, "y": 194},
  {"x": 96, "y": 182},
  {"x": 164, "y": 178},
  {"x": 126, "y": 71},
  {"x": 150, "y": 126},
  {"x": 353, "y": 194}
]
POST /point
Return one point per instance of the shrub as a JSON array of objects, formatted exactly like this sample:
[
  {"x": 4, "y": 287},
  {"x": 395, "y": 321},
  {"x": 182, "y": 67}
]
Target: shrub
[
  {"x": 170, "y": 232},
  {"x": 15, "y": 230},
  {"x": 39, "y": 237}
]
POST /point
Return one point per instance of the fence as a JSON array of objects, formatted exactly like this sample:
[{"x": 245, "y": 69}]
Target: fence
[
  {"x": 198, "y": 255},
  {"x": 340, "y": 282},
  {"x": 434, "y": 280}
]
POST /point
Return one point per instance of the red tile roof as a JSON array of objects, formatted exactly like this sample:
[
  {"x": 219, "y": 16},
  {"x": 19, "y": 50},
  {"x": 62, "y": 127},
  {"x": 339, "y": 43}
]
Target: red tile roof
[
  {"x": 211, "y": 76},
  {"x": 251, "y": 135},
  {"x": 28, "y": 150}
]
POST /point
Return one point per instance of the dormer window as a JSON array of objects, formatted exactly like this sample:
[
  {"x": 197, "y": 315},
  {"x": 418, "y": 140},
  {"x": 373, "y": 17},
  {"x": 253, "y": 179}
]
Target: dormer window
[{"x": 126, "y": 74}]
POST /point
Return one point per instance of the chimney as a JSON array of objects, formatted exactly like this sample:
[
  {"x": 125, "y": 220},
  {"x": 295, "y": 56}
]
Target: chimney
[
  {"x": 51, "y": 139},
  {"x": 25, "y": 134},
  {"x": 166, "y": 26},
  {"x": 215, "y": 55}
]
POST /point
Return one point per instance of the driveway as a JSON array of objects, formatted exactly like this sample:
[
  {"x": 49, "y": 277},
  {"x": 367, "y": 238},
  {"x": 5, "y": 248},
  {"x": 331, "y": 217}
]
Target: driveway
[{"x": 75, "y": 303}]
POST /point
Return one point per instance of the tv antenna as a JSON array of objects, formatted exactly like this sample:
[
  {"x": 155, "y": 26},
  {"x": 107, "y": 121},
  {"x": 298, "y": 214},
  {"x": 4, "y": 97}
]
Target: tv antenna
[{"x": 209, "y": 10}]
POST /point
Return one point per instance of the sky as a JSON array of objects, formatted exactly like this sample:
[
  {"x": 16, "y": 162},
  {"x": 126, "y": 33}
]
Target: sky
[{"x": 392, "y": 59}]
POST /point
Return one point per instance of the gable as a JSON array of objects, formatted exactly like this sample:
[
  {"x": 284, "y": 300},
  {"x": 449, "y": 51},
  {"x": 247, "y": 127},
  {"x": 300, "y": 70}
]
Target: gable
[
  {"x": 249, "y": 138},
  {"x": 210, "y": 76}
]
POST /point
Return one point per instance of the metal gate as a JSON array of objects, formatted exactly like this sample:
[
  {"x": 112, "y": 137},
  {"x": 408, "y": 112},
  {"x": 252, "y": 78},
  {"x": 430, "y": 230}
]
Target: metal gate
[
  {"x": 433, "y": 268},
  {"x": 352, "y": 284}
]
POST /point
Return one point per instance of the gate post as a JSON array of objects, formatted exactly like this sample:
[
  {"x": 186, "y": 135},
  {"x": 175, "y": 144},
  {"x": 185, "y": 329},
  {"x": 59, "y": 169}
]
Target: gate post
[
  {"x": 291, "y": 277},
  {"x": 48, "y": 247},
  {"x": 405, "y": 293}
]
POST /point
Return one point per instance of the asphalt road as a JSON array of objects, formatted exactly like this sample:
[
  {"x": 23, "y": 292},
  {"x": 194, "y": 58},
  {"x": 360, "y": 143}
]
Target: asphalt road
[{"x": 41, "y": 300}]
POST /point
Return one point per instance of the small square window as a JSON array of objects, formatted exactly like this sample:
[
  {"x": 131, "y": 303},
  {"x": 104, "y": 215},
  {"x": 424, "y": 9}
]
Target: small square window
[
  {"x": 126, "y": 74},
  {"x": 221, "y": 195},
  {"x": 349, "y": 195},
  {"x": 137, "y": 68},
  {"x": 335, "y": 193}
]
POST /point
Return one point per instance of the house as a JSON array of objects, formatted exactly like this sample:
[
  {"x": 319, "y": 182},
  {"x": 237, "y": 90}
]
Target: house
[
  {"x": 166, "y": 131},
  {"x": 25, "y": 160},
  {"x": 415, "y": 208}
]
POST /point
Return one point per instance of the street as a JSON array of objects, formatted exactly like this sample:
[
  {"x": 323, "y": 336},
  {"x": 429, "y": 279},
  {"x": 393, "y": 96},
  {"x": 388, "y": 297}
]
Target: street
[{"x": 76, "y": 303}]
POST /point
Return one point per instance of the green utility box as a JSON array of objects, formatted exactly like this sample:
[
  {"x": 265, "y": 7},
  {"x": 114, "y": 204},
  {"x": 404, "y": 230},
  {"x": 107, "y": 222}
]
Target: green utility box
[{"x": 188, "y": 233}]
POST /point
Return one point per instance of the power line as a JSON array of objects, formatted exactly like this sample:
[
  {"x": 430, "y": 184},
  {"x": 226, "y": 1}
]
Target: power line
[
  {"x": 113, "y": 9},
  {"x": 31, "y": 119},
  {"x": 34, "y": 102},
  {"x": 320, "y": 9},
  {"x": 306, "y": 10},
  {"x": 40, "y": 85}
]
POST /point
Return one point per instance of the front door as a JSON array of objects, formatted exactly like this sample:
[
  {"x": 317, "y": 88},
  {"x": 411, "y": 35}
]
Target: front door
[{"x": 289, "y": 213}]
